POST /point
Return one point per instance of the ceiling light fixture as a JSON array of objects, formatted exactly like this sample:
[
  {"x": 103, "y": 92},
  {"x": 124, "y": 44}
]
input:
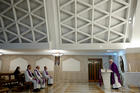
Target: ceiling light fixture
[
  {"x": 56, "y": 52},
  {"x": 109, "y": 50},
  {"x": 1, "y": 53}
]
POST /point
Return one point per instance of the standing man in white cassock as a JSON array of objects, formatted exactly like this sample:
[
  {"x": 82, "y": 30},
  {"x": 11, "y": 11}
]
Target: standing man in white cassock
[
  {"x": 39, "y": 76},
  {"x": 30, "y": 78},
  {"x": 47, "y": 76}
]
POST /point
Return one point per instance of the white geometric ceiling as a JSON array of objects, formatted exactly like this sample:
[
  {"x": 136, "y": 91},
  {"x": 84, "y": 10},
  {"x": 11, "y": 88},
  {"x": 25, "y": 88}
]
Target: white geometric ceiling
[
  {"x": 64, "y": 23},
  {"x": 22, "y": 21},
  {"x": 94, "y": 21}
]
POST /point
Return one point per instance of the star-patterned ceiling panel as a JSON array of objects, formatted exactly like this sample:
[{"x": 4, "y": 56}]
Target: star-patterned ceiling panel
[
  {"x": 94, "y": 21},
  {"x": 23, "y": 21}
]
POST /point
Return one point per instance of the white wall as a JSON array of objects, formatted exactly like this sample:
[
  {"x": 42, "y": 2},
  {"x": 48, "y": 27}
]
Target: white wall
[
  {"x": 136, "y": 31},
  {"x": 18, "y": 62},
  {"x": 45, "y": 62},
  {"x": 0, "y": 65},
  {"x": 71, "y": 64},
  {"x": 132, "y": 78}
]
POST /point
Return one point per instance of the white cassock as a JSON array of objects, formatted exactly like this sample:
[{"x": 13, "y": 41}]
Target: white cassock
[
  {"x": 117, "y": 84},
  {"x": 30, "y": 78},
  {"x": 39, "y": 76},
  {"x": 47, "y": 76}
]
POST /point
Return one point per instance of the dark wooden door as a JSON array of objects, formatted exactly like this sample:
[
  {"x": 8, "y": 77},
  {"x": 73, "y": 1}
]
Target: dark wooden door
[{"x": 93, "y": 69}]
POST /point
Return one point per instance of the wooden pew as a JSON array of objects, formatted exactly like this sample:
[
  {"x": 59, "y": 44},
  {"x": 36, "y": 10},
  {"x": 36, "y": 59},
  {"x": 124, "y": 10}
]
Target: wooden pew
[
  {"x": 9, "y": 81},
  {"x": 26, "y": 85},
  {"x": 3, "y": 89}
]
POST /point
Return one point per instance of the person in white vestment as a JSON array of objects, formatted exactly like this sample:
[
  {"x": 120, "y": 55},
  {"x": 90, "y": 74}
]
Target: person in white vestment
[
  {"x": 30, "y": 78},
  {"x": 47, "y": 76},
  {"x": 39, "y": 76}
]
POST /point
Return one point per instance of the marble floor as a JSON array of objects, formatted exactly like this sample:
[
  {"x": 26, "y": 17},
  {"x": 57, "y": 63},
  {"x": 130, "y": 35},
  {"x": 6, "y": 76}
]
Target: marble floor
[{"x": 82, "y": 88}]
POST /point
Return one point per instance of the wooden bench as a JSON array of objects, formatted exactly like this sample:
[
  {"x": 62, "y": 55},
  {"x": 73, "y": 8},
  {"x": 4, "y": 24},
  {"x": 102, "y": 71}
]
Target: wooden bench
[
  {"x": 9, "y": 81},
  {"x": 3, "y": 90},
  {"x": 16, "y": 85},
  {"x": 28, "y": 85},
  {"x": 23, "y": 85}
]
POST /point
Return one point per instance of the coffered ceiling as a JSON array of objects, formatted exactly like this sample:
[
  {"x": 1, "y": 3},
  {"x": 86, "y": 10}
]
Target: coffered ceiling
[
  {"x": 65, "y": 24},
  {"x": 94, "y": 21},
  {"x": 23, "y": 21}
]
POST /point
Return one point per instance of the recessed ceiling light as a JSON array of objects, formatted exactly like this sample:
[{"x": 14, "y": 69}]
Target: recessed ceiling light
[
  {"x": 130, "y": 18},
  {"x": 109, "y": 50},
  {"x": 1, "y": 53},
  {"x": 100, "y": 46}
]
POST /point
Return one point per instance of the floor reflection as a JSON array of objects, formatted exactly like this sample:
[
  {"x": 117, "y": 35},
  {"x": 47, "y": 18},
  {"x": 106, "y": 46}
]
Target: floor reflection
[{"x": 82, "y": 88}]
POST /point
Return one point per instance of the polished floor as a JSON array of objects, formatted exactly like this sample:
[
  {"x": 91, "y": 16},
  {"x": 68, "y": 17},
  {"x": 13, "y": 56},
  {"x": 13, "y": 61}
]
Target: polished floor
[{"x": 82, "y": 88}]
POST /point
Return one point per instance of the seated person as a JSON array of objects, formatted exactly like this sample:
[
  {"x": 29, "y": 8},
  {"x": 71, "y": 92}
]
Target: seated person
[
  {"x": 17, "y": 73},
  {"x": 115, "y": 75},
  {"x": 47, "y": 76},
  {"x": 30, "y": 78},
  {"x": 39, "y": 76}
]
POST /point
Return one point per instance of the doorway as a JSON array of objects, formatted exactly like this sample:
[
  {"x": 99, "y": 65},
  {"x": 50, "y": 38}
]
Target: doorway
[{"x": 94, "y": 65}]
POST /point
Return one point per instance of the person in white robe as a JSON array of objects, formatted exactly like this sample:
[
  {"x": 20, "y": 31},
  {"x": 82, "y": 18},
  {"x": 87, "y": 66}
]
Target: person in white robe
[
  {"x": 39, "y": 76},
  {"x": 47, "y": 76},
  {"x": 30, "y": 78}
]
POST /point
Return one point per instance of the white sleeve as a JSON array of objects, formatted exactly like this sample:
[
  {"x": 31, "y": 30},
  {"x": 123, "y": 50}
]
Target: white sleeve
[
  {"x": 37, "y": 76},
  {"x": 27, "y": 77},
  {"x": 44, "y": 73},
  {"x": 40, "y": 74}
]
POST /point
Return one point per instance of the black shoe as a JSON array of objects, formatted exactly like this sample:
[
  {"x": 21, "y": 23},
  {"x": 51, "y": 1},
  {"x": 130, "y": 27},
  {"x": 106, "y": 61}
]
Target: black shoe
[
  {"x": 36, "y": 90},
  {"x": 115, "y": 88},
  {"x": 50, "y": 84}
]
